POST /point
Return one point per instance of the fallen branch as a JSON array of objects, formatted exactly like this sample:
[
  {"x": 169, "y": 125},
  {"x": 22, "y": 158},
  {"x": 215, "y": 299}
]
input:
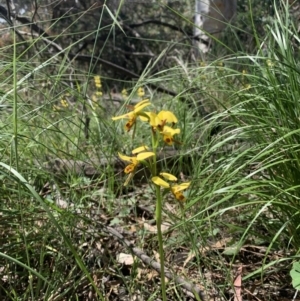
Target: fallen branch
[{"x": 156, "y": 266}]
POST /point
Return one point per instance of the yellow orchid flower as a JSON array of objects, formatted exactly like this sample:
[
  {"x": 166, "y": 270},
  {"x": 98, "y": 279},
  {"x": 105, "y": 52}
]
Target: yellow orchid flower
[
  {"x": 167, "y": 117},
  {"x": 97, "y": 81},
  {"x": 175, "y": 189},
  {"x": 141, "y": 92},
  {"x": 158, "y": 121},
  {"x": 135, "y": 161},
  {"x": 124, "y": 93},
  {"x": 64, "y": 103},
  {"x": 168, "y": 134},
  {"x": 131, "y": 116}
]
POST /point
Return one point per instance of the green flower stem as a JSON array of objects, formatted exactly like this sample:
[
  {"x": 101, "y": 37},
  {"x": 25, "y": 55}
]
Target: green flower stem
[
  {"x": 158, "y": 217},
  {"x": 133, "y": 132}
]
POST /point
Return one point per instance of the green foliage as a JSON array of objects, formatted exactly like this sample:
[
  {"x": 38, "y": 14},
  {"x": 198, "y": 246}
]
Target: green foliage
[
  {"x": 295, "y": 274},
  {"x": 239, "y": 146}
]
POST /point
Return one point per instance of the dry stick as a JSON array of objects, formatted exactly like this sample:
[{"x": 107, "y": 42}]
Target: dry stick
[{"x": 156, "y": 266}]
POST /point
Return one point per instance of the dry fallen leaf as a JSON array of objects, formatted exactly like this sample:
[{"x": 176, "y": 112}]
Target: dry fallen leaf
[
  {"x": 98, "y": 246},
  {"x": 124, "y": 258},
  {"x": 156, "y": 255},
  {"x": 238, "y": 285},
  {"x": 153, "y": 229},
  {"x": 152, "y": 274}
]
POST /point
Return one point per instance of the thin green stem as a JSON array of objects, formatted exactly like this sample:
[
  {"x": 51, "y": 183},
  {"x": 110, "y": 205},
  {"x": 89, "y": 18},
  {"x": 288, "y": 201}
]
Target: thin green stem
[{"x": 158, "y": 217}]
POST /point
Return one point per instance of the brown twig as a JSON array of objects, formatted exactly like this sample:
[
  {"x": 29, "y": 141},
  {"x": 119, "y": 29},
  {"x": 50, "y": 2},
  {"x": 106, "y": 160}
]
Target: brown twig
[
  {"x": 158, "y": 22},
  {"x": 156, "y": 266}
]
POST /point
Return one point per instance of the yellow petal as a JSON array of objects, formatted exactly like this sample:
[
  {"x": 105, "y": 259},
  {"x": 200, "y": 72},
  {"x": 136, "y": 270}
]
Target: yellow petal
[
  {"x": 176, "y": 131},
  {"x": 142, "y": 102},
  {"x": 160, "y": 182},
  {"x": 141, "y": 107},
  {"x": 139, "y": 149},
  {"x": 127, "y": 115},
  {"x": 167, "y": 116},
  {"x": 127, "y": 158},
  {"x": 145, "y": 155},
  {"x": 154, "y": 120},
  {"x": 180, "y": 187},
  {"x": 148, "y": 116},
  {"x": 170, "y": 131},
  {"x": 168, "y": 176},
  {"x": 143, "y": 118}
]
